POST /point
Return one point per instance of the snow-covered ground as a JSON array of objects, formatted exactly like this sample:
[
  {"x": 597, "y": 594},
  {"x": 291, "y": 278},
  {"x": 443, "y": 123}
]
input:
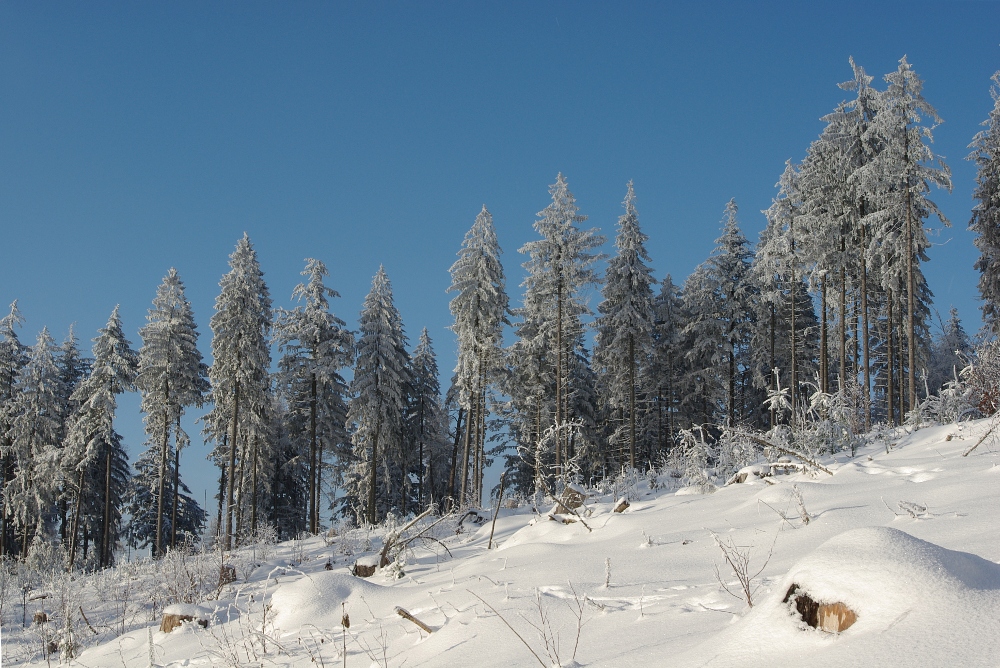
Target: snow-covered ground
[{"x": 907, "y": 537}]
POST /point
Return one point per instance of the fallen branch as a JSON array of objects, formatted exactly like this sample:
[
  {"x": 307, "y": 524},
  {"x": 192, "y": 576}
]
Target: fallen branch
[
  {"x": 89, "y": 626},
  {"x": 791, "y": 453},
  {"x": 507, "y": 624},
  {"x": 391, "y": 539},
  {"x": 402, "y": 612},
  {"x": 995, "y": 421}
]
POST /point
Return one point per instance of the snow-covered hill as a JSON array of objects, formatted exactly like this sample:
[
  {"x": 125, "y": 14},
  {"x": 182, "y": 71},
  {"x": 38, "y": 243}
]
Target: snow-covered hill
[{"x": 905, "y": 535}]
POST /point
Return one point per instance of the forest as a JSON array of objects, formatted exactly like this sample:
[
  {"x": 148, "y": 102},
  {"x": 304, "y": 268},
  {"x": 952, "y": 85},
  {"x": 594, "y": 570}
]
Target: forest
[{"x": 820, "y": 331}]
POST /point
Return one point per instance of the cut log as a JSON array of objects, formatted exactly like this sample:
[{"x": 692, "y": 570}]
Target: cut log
[
  {"x": 621, "y": 505},
  {"x": 572, "y": 498}
]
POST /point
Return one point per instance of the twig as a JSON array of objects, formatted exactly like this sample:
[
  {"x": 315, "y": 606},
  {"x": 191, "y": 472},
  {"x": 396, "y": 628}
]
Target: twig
[
  {"x": 489, "y": 545},
  {"x": 405, "y": 614},
  {"x": 783, "y": 450},
  {"x": 87, "y": 621},
  {"x": 989, "y": 431},
  {"x": 507, "y": 624}
]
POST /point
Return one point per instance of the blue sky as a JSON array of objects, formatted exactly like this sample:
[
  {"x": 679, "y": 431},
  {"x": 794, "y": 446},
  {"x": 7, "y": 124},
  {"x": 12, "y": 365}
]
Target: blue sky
[{"x": 139, "y": 136}]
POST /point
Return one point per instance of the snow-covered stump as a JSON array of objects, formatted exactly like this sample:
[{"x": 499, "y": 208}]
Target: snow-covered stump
[
  {"x": 829, "y": 617},
  {"x": 365, "y": 567},
  {"x": 572, "y": 498},
  {"x": 177, "y": 614}
]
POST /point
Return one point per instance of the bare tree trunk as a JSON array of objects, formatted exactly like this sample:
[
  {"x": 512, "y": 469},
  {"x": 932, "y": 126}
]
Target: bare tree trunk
[
  {"x": 911, "y": 345},
  {"x": 164, "y": 446},
  {"x": 559, "y": 378},
  {"x": 890, "y": 362},
  {"x": 631, "y": 400},
  {"x": 106, "y": 540},
  {"x": 76, "y": 520},
  {"x": 464, "y": 472},
  {"x": 843, "y": 318},
  {"x": 228, "y": 542},
  {"x": 177, "y": 484},
  {"x": 454, "y": 453},
  {"x": 824, "y": 353},
  {"x": 865, "y": 360},
  {"x": 372, "y": 475},
  {"x": 312, "y": 457}
]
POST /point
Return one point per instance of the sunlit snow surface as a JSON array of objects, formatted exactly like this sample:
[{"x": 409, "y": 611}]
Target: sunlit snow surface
[{"x": 924, "y": 584}]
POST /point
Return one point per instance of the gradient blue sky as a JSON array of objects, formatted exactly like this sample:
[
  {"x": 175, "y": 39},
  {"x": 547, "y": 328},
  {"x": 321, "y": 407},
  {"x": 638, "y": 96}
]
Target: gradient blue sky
[{"x": 139, "y": 136}]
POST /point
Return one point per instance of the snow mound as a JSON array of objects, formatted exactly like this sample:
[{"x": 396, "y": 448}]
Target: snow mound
[
  {"x": 189, "y": 610},
  {"x": 915, "y": 602},
  {"x": 315, "y": 600}
]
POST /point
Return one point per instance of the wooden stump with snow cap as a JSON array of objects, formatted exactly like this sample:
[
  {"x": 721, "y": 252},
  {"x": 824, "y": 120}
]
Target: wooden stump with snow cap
[
  {"x": 829, "y": 617},
  {"x": 365, "y": 567},
  {"x": 572, "y": 498},
  {"x": 177, "y": 614}
]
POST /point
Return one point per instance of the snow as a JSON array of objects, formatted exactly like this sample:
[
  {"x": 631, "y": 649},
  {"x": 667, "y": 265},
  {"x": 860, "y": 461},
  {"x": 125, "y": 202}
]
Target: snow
[
  {"x": 925, "y": 585},
  {"x": 188, "y": 610}
]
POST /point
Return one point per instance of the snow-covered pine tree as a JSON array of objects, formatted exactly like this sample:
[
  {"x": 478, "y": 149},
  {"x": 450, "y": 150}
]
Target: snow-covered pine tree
[
  {"x": 34, "y": 441},
  {"x": 560, "y": 266},
  {"x": 703, "y": 389},
  {"x": 379, "y": 390},
  {"x": 171, "y": 377},
  {"x": 626, "y": 321},
  {"x": 239, "y": 422},
  {"x": 426, "y": 424},
  {"x": 667, "y": 367},
  {"x": 316, "y": 346},
  {"x": 986, "y": 214},
  {"x": 951, "y": 352},
  {"x": 480, "y": 308},
  {"x": 94, "y": 460},
  {"x": 896, "y": 183},
  {"x": 186, "y": 521},
  {"x": 731, "y": 304},
  {"x": 13, "y": 358}
]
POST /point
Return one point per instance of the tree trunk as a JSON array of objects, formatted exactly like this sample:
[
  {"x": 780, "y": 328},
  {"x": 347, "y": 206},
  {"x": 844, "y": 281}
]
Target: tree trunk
[
  {"x": 454, "y": 453},
  {"x": 843, "y": 317},
  {"x": 106, "y": 539},
  {"x": 890, "y": 362},
  {"x": 76, "y": 520},
  {"x": 164, "y": 446},
  {"x": 824, "y": 354},
  {"x": 911, "y": 345},
  {"x": 228, "y": 542},
  {"x": 312, "y": 457},
  {"x": 177, "y": 484},
  {"x": 631, "y": 400},
  {"x": 866, "y": 372},
  {"x": 464, "y": 469},
  {"x": 372, "y": 474},
  {"x": 559, "y": 378}
]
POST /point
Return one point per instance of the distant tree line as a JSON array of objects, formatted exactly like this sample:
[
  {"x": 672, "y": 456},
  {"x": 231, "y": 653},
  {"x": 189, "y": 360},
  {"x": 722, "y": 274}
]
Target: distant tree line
[{"x": 831, "y": 302}]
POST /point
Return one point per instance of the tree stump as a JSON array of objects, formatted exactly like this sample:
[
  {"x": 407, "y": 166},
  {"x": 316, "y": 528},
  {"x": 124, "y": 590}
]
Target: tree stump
[
  {"x": 227, "y": 574},
  {"x": 365, "y": 567},
  {"x": 40, "y": 618},
  {"x": 829, "y": 617},
  {"x": 621, "y": 505},
  {"x": 171, "y": 621}
]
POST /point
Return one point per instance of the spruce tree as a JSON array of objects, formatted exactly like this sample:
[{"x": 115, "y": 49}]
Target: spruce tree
[
  {"x": 171, "y": 377},
  {"x": 427, "y": 424},
  {"x": 986, "y": 213},
  {"x": 94, "y": 459},
  {"x": 480, "y": 311},
  {"x": 626, "y": 321},
  {"x": 34, "y": 441},
  {"x": 376, "y": 411},
  {"x": 240, "y": 420},
  {"x": 560, "y": 265},
  {"x": 316, "y": 346},
  {"x": 13, "y": 358}
]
